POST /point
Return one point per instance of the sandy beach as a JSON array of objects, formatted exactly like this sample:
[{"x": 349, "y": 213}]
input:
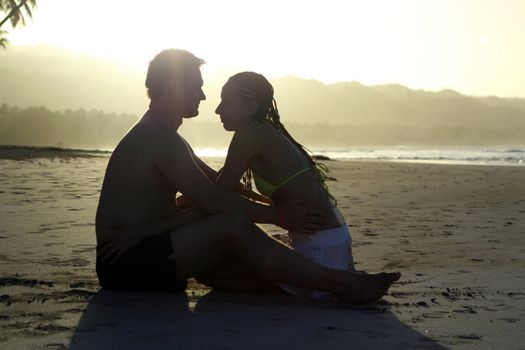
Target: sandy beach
[{"x": 456, "y": 232}]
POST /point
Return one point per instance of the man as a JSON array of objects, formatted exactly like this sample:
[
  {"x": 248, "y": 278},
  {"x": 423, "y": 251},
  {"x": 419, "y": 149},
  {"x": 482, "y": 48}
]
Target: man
[{"x": 144, "y": 243}]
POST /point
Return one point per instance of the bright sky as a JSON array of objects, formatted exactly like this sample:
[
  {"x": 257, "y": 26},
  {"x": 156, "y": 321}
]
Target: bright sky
[{"x": 474, "y": 46}]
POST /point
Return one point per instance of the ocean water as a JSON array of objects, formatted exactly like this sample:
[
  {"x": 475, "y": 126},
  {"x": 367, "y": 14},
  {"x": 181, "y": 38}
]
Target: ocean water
[{"x": 464, "y": 155}]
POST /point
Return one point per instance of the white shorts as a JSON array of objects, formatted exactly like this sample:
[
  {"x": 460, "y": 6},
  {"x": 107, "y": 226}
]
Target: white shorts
[{"x": 331, "y": 248}]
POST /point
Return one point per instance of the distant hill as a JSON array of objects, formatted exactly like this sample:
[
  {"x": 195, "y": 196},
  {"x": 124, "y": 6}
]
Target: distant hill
[
  {"x": 60, "y": 79},
  {"x": 355, "y": 103},
  {"x": 349, "y": 112}
]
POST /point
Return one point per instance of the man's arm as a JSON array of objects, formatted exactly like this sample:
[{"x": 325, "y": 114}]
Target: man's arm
[
  {"x": 255, "y": 196},
  {"x": 206, "y": 169},
  {"x": 183, "y": 202},
  {"x": 175, "y": 161}
]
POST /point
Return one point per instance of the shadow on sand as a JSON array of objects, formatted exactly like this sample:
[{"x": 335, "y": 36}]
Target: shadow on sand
[{"x": 237, "y": 321}]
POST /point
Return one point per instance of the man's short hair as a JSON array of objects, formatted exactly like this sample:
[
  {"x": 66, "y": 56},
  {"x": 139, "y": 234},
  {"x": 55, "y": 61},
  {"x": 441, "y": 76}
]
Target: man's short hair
[{"x": 167, "y": 66}]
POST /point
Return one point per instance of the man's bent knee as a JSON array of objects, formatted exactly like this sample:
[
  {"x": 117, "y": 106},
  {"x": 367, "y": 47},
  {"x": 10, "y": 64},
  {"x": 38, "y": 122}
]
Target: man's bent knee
[
  {"x": 235, "y": 221},
  {"x": 237, "y": 228}
]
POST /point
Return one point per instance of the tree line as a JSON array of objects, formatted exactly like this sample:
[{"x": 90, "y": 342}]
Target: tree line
[
  {"x": 39, "y": 126},
  {"x": 96, "y": 129}
]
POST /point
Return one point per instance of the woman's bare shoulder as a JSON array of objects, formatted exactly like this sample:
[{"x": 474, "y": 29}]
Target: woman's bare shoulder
[
  {"x": 259, "y": 131},
  {"x": 252, "y": 139}
]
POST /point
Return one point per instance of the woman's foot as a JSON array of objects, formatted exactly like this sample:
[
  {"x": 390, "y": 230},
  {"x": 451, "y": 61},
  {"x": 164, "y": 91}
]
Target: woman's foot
[{"x": 367, "y": 287}]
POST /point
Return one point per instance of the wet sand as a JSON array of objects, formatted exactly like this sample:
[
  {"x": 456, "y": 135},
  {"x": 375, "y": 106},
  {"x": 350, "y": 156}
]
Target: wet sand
[{"x": 455, "y": 231}]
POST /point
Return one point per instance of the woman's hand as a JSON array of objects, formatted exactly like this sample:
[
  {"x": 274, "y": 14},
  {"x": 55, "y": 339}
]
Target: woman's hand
[
  {"x": 293, "y": 216},
  {"x": 120, "y": 240}
]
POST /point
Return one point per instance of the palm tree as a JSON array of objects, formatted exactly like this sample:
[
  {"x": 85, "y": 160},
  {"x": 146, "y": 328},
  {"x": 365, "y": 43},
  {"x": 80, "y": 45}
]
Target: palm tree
[
  {"x": 14, "y": 12},
  {"x": 3, "y": 40}
]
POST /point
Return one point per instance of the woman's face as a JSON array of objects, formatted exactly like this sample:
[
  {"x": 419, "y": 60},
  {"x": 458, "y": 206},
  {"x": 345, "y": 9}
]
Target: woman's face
[{"x": 234, "y": 110}]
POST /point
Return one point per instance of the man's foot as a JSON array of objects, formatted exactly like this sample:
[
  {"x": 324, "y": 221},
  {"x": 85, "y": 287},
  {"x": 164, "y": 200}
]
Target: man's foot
[{"x": 367, "y": 287}]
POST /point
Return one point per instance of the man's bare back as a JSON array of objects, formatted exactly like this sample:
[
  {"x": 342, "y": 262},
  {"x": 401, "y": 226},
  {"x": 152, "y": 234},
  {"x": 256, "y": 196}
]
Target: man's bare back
[{"x": 134, "y": 189}]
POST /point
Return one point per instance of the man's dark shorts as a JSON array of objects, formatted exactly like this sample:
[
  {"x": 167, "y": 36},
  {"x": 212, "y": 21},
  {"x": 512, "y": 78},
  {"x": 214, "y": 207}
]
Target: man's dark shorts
[{"x": 144, "y": 267}]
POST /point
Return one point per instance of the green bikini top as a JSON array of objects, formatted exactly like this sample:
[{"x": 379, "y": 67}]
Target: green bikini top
[{"x": 268, "y": 189}]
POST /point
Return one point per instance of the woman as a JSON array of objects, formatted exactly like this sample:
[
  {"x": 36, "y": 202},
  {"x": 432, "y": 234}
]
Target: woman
[{"x": 281, "y": 168}]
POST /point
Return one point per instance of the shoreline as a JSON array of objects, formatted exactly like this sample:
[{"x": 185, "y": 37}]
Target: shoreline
[{"x": 15, "y": 152}]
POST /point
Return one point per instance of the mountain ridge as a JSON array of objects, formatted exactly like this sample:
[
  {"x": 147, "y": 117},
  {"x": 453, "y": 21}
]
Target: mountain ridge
[{"x": 381, "y": 112}]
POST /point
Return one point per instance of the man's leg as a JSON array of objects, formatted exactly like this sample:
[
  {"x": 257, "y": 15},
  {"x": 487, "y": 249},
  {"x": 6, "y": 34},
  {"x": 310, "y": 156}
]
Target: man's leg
[
  {"x": 233, "y": 275},
  {"x": 201, "y": 246}
]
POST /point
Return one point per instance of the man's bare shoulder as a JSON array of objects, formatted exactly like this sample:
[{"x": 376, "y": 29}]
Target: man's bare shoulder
[{"x": 151, "y": 138}]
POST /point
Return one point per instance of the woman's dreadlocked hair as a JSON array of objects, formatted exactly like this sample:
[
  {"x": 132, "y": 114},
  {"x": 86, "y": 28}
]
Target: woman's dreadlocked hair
[{"x": 256, "y": 87}]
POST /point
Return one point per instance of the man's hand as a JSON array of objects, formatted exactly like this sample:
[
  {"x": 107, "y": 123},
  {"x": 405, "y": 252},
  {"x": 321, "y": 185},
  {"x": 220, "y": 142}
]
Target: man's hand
[
  {"x": 294, "y": 217},
  {"x": 121, "y": 241},
  {"x": 183, "y": 203}
]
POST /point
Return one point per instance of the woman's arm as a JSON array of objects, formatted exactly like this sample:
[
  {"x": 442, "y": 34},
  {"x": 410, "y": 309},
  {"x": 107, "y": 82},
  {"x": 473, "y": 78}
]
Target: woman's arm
[{"x": 243, "y": 147}]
